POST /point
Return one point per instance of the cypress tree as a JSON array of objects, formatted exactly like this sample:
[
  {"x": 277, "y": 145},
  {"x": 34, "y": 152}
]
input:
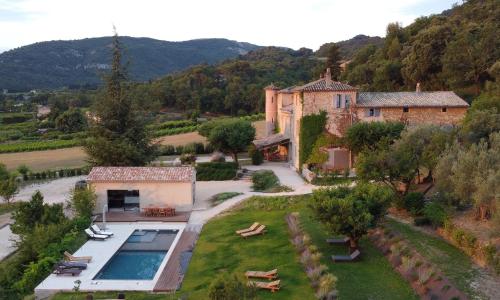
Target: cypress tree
[{"x": 118, "y": 135}]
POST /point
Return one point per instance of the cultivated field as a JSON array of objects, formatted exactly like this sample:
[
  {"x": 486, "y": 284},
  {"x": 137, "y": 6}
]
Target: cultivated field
[{"x": 75, "y": 157}]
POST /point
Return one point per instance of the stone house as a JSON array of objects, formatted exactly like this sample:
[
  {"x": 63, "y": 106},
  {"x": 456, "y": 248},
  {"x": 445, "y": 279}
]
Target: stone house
[
  {"x": 135, "y": 188},
  {"x": 345, "y": 106}
]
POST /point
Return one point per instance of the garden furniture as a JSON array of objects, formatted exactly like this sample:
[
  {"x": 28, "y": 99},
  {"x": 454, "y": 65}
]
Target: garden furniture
[
  {"x": 98, "y": 230},
  {"x": 346, "y": 258},
  {"x": 63, "y": 271},
  {"x": 71, "y": 265},
  {"x": 93, "y": 236},
  {"x": 273, "y": 274},
  {"x": 260, "y": 230},
  {"x": 251, "y": 228},
  {"x": 70, "y": 257},
  {"x": 338, "y": 241},
  {"x": 272, "y": 286}
]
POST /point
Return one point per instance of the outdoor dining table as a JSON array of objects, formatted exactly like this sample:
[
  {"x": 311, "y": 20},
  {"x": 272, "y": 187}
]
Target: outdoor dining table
[{"x": 159, "y": 211}]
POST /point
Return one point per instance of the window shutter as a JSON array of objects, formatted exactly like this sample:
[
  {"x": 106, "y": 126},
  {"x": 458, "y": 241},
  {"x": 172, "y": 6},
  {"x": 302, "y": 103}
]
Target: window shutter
[{"x": 377, "y": 112}]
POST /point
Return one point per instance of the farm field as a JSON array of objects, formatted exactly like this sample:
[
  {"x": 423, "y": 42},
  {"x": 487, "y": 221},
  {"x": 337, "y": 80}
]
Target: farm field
[{"x": 75, "y": 156}]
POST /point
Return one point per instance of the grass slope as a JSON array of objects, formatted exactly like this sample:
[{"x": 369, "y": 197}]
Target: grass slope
[
  {"x": 455, "y": 264},
  {"x": 371, "y": 278}
]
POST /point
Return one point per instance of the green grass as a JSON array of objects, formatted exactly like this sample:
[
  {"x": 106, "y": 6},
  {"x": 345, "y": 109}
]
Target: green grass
[
  {"x": 219, "y": 249},
  {"x": 455, "y": 264},
  {"x": 370, "y": 278}
]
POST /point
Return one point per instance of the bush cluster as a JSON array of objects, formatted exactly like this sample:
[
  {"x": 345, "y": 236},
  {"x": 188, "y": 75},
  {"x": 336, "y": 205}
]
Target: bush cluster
[
  {"x": 216, "y": 171},
  {"x": 51, "y": 174},
  {"x": 256, "y": 155},
  {"x": 264, "y": 180},
  {"x": 13, "y": 118},
  {"x": 37, "y": 145},
  {"x": 195, "y": 148}
]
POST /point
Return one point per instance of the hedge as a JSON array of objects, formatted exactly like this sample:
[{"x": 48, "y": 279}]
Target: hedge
[
  {"x": 174, "y": 131},
  {"x": 196, "y": 148},
  {"x": 13, "y": 118},
  {"x": 38, "y": 145},
  {"x": 216, "y": 171},
  {"x": 50, "y": 174},
  {"x": 173, "y": 124},
  {"x": 311, "y": 127}
]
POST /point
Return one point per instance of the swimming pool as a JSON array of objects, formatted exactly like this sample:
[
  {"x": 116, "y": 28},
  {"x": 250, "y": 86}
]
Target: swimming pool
[{"x": 139, "y": 257}]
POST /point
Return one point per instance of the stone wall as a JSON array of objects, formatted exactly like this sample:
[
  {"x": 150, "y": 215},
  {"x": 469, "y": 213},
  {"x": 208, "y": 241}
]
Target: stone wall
[{"x": 416, "y": 115}]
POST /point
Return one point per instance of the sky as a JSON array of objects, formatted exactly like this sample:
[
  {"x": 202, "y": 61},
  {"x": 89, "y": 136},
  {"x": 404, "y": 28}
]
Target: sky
[{"x": 288, "y": 23}]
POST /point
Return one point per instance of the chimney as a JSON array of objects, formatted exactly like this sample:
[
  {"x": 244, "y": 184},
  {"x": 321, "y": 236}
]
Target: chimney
[
  {"x": 418, "y": 89},
  {"x": 321, "y": 76},
  {"x": 328, "y": 75}
]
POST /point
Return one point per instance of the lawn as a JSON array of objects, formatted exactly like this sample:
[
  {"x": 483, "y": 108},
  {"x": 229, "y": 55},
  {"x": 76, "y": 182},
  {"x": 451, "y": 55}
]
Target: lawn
[
  {"x": 455, "y": 264},
  {"x": 370, "y": 278}
]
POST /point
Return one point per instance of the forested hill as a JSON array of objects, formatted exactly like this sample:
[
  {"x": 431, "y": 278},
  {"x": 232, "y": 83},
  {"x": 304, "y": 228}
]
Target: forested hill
[
  {"x": 454, "y": 50},
  {"x": 349, "y": 47},
  {"x": 56, "y": 64}
]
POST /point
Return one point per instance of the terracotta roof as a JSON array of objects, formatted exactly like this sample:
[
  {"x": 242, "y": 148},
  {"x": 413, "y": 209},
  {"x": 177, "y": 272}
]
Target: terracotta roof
[
  {"x": 271, "y": 140},
  {"x": 410, "y": 99},
  {"x": 324, "y": 84},
  {"x": 134, "y": 174},
  {"x": 271, "y": 87},
  {"x": 287, "y": 90}
]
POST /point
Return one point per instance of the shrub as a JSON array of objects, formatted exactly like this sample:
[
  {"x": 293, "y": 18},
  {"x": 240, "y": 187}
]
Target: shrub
[
  {"x": 188, "y": 158},
  {"x": 167, "y": 150},
  {"x": 311, "y": 128},
  {"x": 255, "y": 155},
  {"x": 326, "y": 286},
  {"x": 421, "y": 221},
  {"x": 414, "y": 203},
  {"x": 83, "y": 202},
  {"x": 230, "y": 288},
  {"x": 424, "y": 274},
  {"x": 436, "y": 213},
  {"x": 264, "y": 179},
  {"x": 407, "y": 263},
  {"x": 216, "y": 171}
]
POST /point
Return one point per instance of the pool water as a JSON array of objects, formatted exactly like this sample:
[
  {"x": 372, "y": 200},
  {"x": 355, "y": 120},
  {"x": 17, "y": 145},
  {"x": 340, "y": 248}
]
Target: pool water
[
  {"x": 140, "y": 257},
  {"x": 141, "y": 265}
]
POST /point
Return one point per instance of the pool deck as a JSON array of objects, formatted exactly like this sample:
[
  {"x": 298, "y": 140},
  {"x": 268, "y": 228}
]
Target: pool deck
[
  {"x": 101, "y": 252},
  {"x": 131, "y": 216},
  {"x": 171, "y": 276}
]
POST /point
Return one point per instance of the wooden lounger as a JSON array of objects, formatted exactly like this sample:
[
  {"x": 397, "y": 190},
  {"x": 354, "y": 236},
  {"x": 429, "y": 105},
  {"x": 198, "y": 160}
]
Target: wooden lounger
[
  {"x": 346, "y": 258},
  {"x": 260, "y": 230},
  {"x": 98, "y": 237},
  {"x": 273, "y": 274},
  {"x": 98, "y": 230},
  {"x": 338, "y": 241},
  {"x": 272, "y": 286},
  {"x": 251, "y": 228},
  {"x": 71, "y": 265},
  {"x": 69, "y": 257}
]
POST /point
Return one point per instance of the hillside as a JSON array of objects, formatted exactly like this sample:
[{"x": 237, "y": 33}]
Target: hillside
[
  {"x": 348, "y": 47},
  {"x": 56, "y": 64}
]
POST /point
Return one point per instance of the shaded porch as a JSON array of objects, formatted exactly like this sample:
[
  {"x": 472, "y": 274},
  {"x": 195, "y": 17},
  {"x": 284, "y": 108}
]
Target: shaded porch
[
  {"x": 274, "y": 147},
  {"x": 136, "y": 216}
]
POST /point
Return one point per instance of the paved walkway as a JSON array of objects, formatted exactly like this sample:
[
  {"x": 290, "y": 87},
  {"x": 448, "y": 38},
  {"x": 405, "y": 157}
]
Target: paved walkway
[
  {"x": 286, "y": 175},
  {"x": 54, "y": 191}
]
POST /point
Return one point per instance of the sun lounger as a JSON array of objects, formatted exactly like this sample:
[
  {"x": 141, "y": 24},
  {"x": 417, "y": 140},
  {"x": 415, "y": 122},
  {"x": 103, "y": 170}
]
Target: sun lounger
[
  {"x": 345, "y": 258},
  {"x": 338, "y": 241},
  {"x": 69, "y": 257},
  {"x": 63, "y": 271},
  {"x": 272, "y": 286},
  {"x": 273, "y": 274},
  {"x": 260, "y": 230},
  {"x": 92, "y": 235},
  {"x": 72, "y": 265},
  {"x": 251, "y": 228},
  {"x": 98, "y": 230}
]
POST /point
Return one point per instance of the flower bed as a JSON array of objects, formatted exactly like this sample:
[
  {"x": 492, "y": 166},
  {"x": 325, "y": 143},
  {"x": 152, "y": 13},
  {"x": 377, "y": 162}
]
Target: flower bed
[
  {"x": 427, "y": 281},
  {"x": 322, "y": 281}
]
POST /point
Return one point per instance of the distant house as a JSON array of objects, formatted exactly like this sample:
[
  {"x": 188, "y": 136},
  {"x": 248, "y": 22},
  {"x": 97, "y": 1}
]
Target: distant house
[
  {"x": 135, "y": 188},
  {"x": 42, "y": 111},
  {"x": 345, "y": 106}
]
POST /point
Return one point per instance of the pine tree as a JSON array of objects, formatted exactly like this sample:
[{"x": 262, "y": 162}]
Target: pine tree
[
  {"x": 118, "y": 135},
  {"x": 333, "y": 61}
]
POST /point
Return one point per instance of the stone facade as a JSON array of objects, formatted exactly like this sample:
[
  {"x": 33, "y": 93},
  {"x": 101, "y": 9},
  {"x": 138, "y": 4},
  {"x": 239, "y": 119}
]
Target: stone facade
[{"x": 285, "y": 109}]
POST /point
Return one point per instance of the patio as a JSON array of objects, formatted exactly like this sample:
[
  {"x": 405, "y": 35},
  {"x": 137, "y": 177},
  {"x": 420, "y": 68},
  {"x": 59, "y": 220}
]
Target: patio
[{"x": 135, "y": 216}]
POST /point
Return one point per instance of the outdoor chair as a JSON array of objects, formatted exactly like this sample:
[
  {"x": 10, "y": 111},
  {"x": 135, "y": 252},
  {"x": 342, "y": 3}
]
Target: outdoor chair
[
  {"x": 63, "y": 271},
  {"x": 71, "y": 265},
  {"x": 346, "y": 258},
  {"x": 98, "y": 237},
  {"x": 98, "y": 230},
  {"x": 69, "y": 257},
  {"x": 251, "y": 228},
  {"x": 338, "y": 241},
  {"x": 260, "y": 230},
  {"x": 272, "y": 286},
  {"x": 273, "y": 274}
]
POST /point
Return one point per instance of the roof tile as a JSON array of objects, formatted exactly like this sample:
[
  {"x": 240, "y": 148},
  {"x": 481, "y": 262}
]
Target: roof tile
[
  {"x": 135, "y": 174},
  {"x": 411, "y": 99}
]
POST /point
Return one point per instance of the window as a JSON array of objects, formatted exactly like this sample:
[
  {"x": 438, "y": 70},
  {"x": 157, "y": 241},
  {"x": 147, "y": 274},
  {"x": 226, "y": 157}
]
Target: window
[
  {"x": 371, "y": 113},
  {"x": 272, "y": 99},
  {"x": 347, "y": 101},
  {"x": 338, "y": 101},
  {"x": 406, "y": 109},
  {"x": 443, "y": 109}
]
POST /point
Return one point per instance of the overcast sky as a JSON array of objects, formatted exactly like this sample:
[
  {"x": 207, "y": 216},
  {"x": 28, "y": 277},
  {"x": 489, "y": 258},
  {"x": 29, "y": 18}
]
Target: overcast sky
[{"x": 289, "y": 23}]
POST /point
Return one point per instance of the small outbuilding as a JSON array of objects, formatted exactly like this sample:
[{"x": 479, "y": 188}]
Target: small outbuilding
[{"x": 136, "y": 188}]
